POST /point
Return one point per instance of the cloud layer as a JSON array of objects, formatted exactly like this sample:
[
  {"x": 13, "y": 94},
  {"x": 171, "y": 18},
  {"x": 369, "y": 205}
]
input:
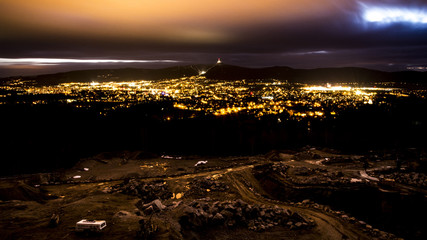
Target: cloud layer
[{"x": 304, "y": 33}]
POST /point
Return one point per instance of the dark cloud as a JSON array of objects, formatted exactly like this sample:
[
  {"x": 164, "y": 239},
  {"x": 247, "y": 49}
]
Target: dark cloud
[{"x": 303, "y": 34}]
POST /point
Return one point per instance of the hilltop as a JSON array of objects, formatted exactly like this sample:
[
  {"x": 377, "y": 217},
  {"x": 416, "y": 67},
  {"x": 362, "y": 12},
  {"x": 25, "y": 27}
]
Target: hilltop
[
  {"x": 319, "y": 75},
  {"x": 305, "y": 194}
]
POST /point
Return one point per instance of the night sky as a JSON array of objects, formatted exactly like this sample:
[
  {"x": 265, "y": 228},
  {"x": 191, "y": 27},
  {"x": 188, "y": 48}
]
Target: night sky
[{"x": 65, "y": 35}]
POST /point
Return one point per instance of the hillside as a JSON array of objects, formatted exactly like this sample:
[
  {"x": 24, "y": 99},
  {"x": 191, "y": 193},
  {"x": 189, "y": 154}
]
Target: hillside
[
  {"x": 124, "y": 74},
  {"x": 229, "y": 72},
  {"x": 320, "y": 75},
  {"x": 297, "y": 195}
]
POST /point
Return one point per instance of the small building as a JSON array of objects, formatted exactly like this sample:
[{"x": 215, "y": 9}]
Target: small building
[{"x": 90, "y": 225}]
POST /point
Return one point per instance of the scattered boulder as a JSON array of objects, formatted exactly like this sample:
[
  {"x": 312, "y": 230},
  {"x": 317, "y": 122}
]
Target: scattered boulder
[
  {"x": 157, "y": 205},
  {"x": 409, "y": 178},
  {"x": 200, "y": 186},
  {"x": 54, "y": 220},
  {"x": 147, "y": 229},
  {"x": 146, "y": 191},
  {"x": 239, "y": 213},
  {"x": 305, "y": 175},
  {"x": 149, "y": 208}
]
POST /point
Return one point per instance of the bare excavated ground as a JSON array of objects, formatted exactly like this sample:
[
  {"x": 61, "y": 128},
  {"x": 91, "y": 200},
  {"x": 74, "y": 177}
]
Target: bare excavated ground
[{"x": 259, "y": 197}]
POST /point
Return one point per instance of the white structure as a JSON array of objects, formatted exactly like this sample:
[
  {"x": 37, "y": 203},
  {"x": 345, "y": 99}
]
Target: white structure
[
  {"x": 219, "y": 61},
  {"x": 90, "y": 225}
]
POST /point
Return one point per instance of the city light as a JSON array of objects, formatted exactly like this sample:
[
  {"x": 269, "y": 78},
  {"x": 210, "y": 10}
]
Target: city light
[
  {"x": 202, "y": 96},
  {"x": 331, "y": 88}
]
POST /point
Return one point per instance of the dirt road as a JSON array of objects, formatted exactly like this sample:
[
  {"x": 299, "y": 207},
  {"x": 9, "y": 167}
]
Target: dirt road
[{"x": 327, "y": 226}]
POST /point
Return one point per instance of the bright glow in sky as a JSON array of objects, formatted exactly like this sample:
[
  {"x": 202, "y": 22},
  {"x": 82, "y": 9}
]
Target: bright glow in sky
[
  {"x": 43, "y": 61},
  {"x": 395, "y": 15},
  {"x": 208, "y": 21}
]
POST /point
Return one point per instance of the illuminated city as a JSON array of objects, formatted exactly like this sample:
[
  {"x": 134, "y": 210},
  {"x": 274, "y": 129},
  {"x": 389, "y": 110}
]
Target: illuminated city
[{"x": 213, "y": 97}]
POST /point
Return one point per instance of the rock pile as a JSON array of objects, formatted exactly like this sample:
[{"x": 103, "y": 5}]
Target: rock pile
[
  {"x": 304, "y": 175},
  {"x": 199, "y": 186},
  {"x": 307, "y": 155},
  {"x": 230, "y": 214},
  {"x": 147, "y": 191},
  {"x": 409, "y": 178},
  {"x": 279, "y": 168},
  {"x": 329, "y": 178},
  {"x": 304, "y": 171}
]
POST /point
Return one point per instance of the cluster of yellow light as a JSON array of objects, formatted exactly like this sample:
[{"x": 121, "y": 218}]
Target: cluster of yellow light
[
  {"x": 305, "y": 114},
  {"x": 180, "y": 106},
  {"x": 318, "y": 113},
  {"x": 327, "y": 88},
  {"x": 257, "y": 98},
  {"x": 358, "y": 90},
  {"x": 400, "y": 94},
  {"x": 377, "y": 89}
]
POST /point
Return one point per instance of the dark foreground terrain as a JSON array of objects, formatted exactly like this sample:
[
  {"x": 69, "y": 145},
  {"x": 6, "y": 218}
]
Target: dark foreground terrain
[{"x": 306, "y": 194}]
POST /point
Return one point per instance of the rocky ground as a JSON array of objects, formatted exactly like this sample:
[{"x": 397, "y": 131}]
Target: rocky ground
[{"x": 281, "y": 195}]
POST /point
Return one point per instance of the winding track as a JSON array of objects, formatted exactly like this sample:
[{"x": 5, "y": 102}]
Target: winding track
[{"x": 327, "y": 226}]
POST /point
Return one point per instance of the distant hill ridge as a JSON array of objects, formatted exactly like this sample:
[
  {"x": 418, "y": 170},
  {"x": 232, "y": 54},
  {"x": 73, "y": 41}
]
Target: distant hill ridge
[
  {"x": 230, "y": 72},
  {"x": 319, "y": 75}
]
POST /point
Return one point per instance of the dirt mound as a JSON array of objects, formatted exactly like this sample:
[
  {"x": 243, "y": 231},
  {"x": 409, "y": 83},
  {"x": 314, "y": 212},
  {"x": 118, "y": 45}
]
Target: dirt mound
[
  {"x": 239, "y": 213},
  {"x": 190, "y": 220},
  {"x": 20, "y": 191}
]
